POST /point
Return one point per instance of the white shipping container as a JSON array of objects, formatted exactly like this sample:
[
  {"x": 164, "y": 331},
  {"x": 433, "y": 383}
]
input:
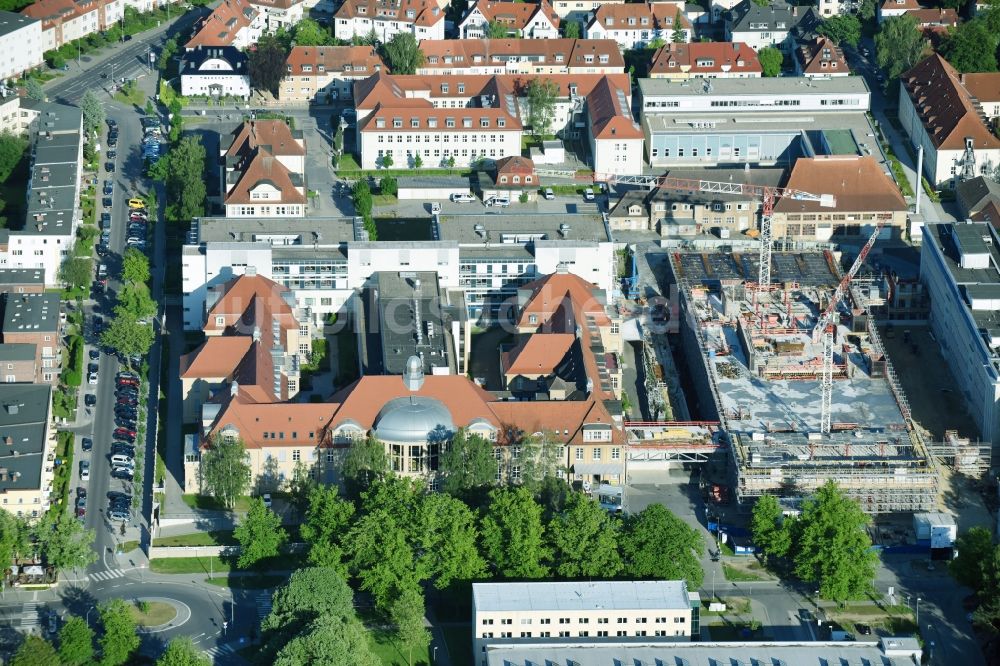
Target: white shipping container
[{"x": 938, "y": 528}]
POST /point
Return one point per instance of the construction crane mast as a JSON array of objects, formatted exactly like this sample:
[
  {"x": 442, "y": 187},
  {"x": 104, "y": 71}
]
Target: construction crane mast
[{"x": 825, "y": 327}]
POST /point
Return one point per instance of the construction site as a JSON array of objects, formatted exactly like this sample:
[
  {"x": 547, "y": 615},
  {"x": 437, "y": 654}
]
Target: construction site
[{"x": 795, "y": 374}]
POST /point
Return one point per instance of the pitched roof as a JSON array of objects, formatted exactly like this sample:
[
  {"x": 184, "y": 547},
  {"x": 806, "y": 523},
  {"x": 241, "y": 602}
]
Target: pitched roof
[
  {"x": 355, "y": 61},
  {"x": 417, "y": 12},
  {"x": 984, "y": 86},
  {"x": 934, "y": 16},
  {"x": 246, "y": 297},
  {"x": 858, "y": 183},
  {"x": 748, "y": 16},
  {"x": 515, "y": 164},
  {"x": 821, "y": 56},
  {"x": 515, "y": 15},
  {"x": 630, "y": 16},
  {"x": 705, "y": 58},
  {"x": 222, "y": 26},
  {"x": 549, "y": 293},
  {"x": 538, "y": 354},
  {"x": 426, "y": 117},
  {"x": 564, "y": 419},
  {"x": 945, "y": 107},
  {"x": 192, "y": 60},
  {"x": 218, "y": 356},
  {"x": 990, "y": 213},
  {"x": 460, "y": 53},
  {"x": 258, "y": 168},
  {"x": 610, "y": 116},
  {"x": 301, "y": 424},
  {"x": 274, "y": 135},
  {"x": 897, "y": 5},
  {"x": 975, "y": 193},
  {"x": 52, "y": 10}
]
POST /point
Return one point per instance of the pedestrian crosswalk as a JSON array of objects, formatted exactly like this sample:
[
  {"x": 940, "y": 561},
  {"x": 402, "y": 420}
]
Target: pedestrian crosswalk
[
  {"x": 263, "y": 605},
  {"x": 29, "y": 615},
  {"x": 218, "y": 653},
  {"x": 106, "y": 575}
]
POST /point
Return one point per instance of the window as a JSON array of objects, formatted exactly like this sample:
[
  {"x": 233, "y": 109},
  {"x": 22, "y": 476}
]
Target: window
[
  {"x": 622, "y": 620},
  {"x": 616, "y": 453},
  {"x": 220, "y": 321},
  {"x": 506, "y": 620},
  {"x": 602, "y": 620},
  {"x": 296, "y": 453},
  {"x": 596, "y": 453},
  {"x": 546, "y": 620},
  {"x": 579, "y": 453},
  {"x": 487, "y": 621}
]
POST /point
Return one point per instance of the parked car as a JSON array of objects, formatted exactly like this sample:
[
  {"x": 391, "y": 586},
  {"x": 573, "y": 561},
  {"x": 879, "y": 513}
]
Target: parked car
[
  {"x": 112, "y": 154},
  {"x": 90, "y": 400},
  {"x": 499, "y": 201},
  {"x": 109, "y": 167},
  {"x": 126, "y": 434},
  {"x": 123, "y": 449},
  {"x": 125, "y": 374},
  {"x": 109, "y": 187},
  {"x": 105, "y": 221},
  {"x": 459, "y": 197},
  {"x": 53, "y": 622},
  {"x": 107, "y": 202},
  {"x": 85, "y": 470},
  {"x": 588, "y": 195},
  {"x": 127, "y": 475},
  {"x": 136, "y": 203},
  {"x": 548, "y": 194},
  {"x": 267, "y": 499},
  {"x": 112, "y": 123},
  {"x": 86, "y": 444},
  {"x": 95, "y": 355},
  {"x": 92, "y": 379}
]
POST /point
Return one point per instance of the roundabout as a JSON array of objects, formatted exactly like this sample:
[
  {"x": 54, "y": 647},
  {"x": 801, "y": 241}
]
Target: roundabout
[{"x": 156, "y": 614}]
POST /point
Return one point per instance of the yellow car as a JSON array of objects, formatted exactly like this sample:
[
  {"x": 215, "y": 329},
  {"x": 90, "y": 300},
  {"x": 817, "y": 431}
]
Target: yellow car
[{"x": 136, "y": 203}]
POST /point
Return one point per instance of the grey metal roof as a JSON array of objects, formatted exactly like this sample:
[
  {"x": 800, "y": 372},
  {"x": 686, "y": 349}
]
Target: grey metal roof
[
  {"x": 782, "y": 85},
  {"x": 583, "y": 223},
  {"x": 23, "y": 433},
  {"x": 17, "y": 351},
  {"x": 312, "y": 231},
  {"x": 193, "y": 59},
  {"x": 56, "y": 118},
  {"x": 22, "y": 276},
  {"x": 580, "y": 595},
  {"x": 413, "y": 419},
  {"x": 11, "y": 22},
  {"x": 27, "y": 313},
  {"x": 748, "y": 16}
]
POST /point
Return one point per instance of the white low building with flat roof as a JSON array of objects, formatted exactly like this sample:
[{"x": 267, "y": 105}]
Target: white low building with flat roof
[{"x": 510, "y": 614}]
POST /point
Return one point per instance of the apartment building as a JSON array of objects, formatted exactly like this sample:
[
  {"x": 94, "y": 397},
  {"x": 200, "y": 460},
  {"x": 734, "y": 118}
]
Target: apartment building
[
  {"x": 580, "y": 10},
  {"x": 285, "y": 14},
  {"x": 865, "y": 195},
  {"x": 705, "y": 60},
  {"x": 939, "y": 113},
  {"x": 235, "y": 23},
  {"x": 20, "y": 45},
  {"x": 214, "y": 71},
  {"x": 521, "y": 56},
  {"x": 890, "y": 8},
  {"x": 773, "y": 24},
  {"x": 65, "y": 21},
  {"x": 424, "y": 19},
  {"x": 637, "y": 25},
  {"x": 27, "y": 449},
  {"x": 326, "y": 74},
  {"x": 616, "y": 140},
  {"x": 820, "y": 56},
  {"x": 985, "y": 90},
  {"x": 760, "y": 121},
  {"x": 959, "y": 266},
  {"x": 22, "y": 280},
  {"x": 512, "y": 614},
  {"x": 527, "y": 20},
  {"x": 49, "y": 231},
  {"x": 263, "y": 171},
  {"x": 33, "y": 320}
]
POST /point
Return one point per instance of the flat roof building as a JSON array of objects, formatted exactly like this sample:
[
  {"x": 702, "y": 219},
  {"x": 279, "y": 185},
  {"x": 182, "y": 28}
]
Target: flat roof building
[{"x": 26, "y": 441}]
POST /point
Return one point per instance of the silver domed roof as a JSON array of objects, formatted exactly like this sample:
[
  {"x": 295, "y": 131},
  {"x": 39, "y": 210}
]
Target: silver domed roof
[{"x": 412, "y": 420}]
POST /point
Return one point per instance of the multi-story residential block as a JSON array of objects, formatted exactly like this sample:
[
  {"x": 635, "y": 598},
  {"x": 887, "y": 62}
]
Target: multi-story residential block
[
  {"x": 526, "y": 20},
  {"x": 18, "y": 365},
  {"x": 706, "y": 60},
  {"x": 326, "y": 74},
  {"x": 820, "y": 57},
  {"x": 636, "y": 25},
  {"x": 774, "y": 24},
  {"x": 22, "y": 280},
  {"x": 985, "y": 90},
  {"x": 214, "y": 71},
  {"x": 939, "y": 113},
  {"x": 20, "y": 45},
  {"x": 234, "y": 23},
  {"x": 722, "y": 121},
  {"x": 890, "y": 8},
  {"x": 521, "y": 56},
  {"x": 49, "y": 229},
  {"x": 580, "y": 10},
  {"x": 960, "y": 267},
  {"x": 27, "y": 449},
  {"x": 865, "y": 195},
  {"x": 264, "y": 171},
  {"x": 65, "y": 21},
  {"x": 512, "y": 614},
  {"x": 616, "y": 140},
  {"x": 33, "y": 320},
  {"x": 281, "y": 13},
  {"x": 424, "y": 19}
]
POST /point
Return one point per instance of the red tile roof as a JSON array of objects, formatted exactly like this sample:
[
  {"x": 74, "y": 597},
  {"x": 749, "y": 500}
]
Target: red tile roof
[
  {"x": 259, "y": 168},
  {"x": 416, "y": 12},
  {"x": 984, "y": 86},
  {"x": 354, "y": 61},
  {"x": 274, "y": 135},
  {"x": 515, "y": 15},
  {"x": 858, "y": 183},
  {"x": 218, "y": 356},
  {"x": 515, "y": 164},
  {"x": 900, "y": 5},
  {"x": 455, "y": 53},
  {"x": 302, "y": 425},
  {"x": 539, "y": 354},
  {"x": 822, "y": 56},
  {"x": 934, "y": 16},
  {"x": 222, "y": 26},
  {"x": 700, "y": 58},
  {"x": 945, "y": 107},
  {"x": 658, "y": 16},
  {"x": 610, "y": 117}
]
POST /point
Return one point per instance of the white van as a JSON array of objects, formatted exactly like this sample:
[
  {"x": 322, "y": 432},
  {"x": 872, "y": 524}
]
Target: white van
[
  {"x": 460, "y": 197},
  {"x": 501, "y": 201},
  {"x": 120, "y": 460}
]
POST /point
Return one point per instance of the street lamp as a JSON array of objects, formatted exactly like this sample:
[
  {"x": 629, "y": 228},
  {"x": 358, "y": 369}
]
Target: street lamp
[
  {"x": 89, "y": 611},
  {"x": 918, "y": 611}
]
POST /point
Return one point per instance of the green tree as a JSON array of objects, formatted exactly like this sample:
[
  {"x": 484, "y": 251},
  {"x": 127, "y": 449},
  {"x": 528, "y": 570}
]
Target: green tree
[
  {"x": 972, "y": 47},
  {"x": 12, "y": 150},
  {"x": 447, "y": 541},
  {"x": 135, "y": 267},
  {"x": 584, "y": 540},
  {"x": 658, "y": 544},
  {"x": 540, "y": 460},
  {"x": 762, "y": 3},
  {"x": 381, "y": 555},
  {"x": 497, "y": 30},
  {"x": 418, "y": 162},
  {"x": 167, "y": 54},
  {"x": 309, "y": 594},
  {"x": 541, "y": 97},
  {"x": 329, "y": 640},
  {"x": 181, "y": 651},
  {"x": 34, "y": 90},
  {"x": 309, "y": 33},
  {"x": 467, "y": 462},
  {"x": 266, "y": 64},
  {"x": 120, "y": 639},
  {"x": 571, "y": 29},
  {"x": 768, "y": 529},
  {"x": 770, "y": 60},
  {"x": 300, "y": 486},
  {"x": 513, "y": 536},
  {"x": 407, "y": 615},
  {"x": 76, "y": 272},
  {"x": 135, "y": 303},
  {"x": 15, "y": 536},
  {"x": 842, "y": 29},
  {"x": 326, "y": 520},
  {"x": 898, "y": 45},
  {"x": 76, "y": 642},
  {"x": 402, "y": 54},
  {"x": 388, "y": 185},
  {"x": 387, "y": 160},
  {"x": 64, "y": 542},
  {"x": 866, "y": 10},
  {"x": 832, "y": 546},
  {"x": 127, "y": 336},
  {"x": 260, "y": 534},
  {"x": 678, "y": 36},
  {"x": 93, "y": 111},
  {"x": 975, "y": 555},
  {"x": 553, "y": 495},
  {"x": 225, "y": 470},
  {"x": 365, "y": 463},
  {"x": 35, "y": 651},
  {"x": 183, "y": 173}
]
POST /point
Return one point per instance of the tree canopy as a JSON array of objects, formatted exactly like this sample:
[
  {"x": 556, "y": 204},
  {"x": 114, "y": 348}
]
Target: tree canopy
[
  {"x": 770, "y": 534},
  {"x": 467, "y": 462},
  {"x": 972, "y": 47},
  {"x": 402, "y": 54},
  {"x": 76, "y": 642},
  {"x": 65, "y": 542},
  {"x": 266, "y": 64},
  {"x": 181, "y": 651},
  {"x": 309, "y": 594},
  {"x": 541, "y": 98},
  {"x": 366, "y": 460},
  {"x": 310, "y": 33},
  {"x": 770, "y": 60},
  {"x": 127, "y": 336},
  {"x": 513, "y": 534},
  {"x": 407, "y": 614},
  {"x": 584, "y": 540},
  {"x": 120, "y": 639},
  {"x": 447, "y": 541},
  {"x": 975, "y": 555},
  {"x": 842, "y": 29},
  {"x": 135, "y": 267},
  {"x": 259, "y": 533},
  {"x": 35, "y": 651},
  {"x": 93, "y": 111},
  {"x": 898, "y": 45},
  {"x": 225, "y": 470},
  {"x": 327, "y": 518},
  {"x": 329, "y": 640},
  {"x": 658, "y": 544}
]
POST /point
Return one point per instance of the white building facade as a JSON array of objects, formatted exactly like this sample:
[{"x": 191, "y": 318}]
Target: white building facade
[
  {"x": 361, "y": 18},
  {"x": 20, "y": 45}
]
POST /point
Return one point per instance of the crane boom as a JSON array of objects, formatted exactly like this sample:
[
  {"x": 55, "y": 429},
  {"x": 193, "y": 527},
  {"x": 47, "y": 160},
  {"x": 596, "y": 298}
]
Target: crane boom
[{"x": 826, "y": 317}]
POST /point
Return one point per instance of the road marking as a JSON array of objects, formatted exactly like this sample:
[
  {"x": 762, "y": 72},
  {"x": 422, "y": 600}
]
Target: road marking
[
  {"x": 29, "y": 614},
  {"x": 106, "y": 575},
  {"x": 263, "y": 605},
  {"x": 220, "y": 651}
]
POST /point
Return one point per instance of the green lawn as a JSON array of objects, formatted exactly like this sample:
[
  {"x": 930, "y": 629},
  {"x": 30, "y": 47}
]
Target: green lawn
[
  {"x": 187, "y": 565},
  {"x": 739, "y": 575},
  {"x": 386, "y": 649},
  {"x": 208, "y": 503},
  {"x": 459, "y": 641},
  {"x": 129, "y": 546},
  {"x": 247, "y": 582},
  {"x": 213, "y": 538},
  {"x": 157, "y": 613}
]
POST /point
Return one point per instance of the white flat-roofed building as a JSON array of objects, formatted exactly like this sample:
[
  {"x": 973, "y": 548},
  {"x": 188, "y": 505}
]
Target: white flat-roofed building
[{"x": 514, "y": 613}]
